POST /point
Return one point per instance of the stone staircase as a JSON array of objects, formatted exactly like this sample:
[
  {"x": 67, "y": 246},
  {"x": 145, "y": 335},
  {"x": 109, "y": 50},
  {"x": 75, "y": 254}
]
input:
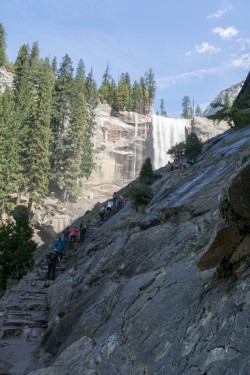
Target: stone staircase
[
  {"x": 23, "y": 318},
  {"x": 24, "y": 313}
]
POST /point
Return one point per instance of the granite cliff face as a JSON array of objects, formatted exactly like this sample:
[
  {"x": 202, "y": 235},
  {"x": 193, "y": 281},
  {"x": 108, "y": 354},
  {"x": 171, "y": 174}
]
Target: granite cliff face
[
  {"x": 122, "y": 142},
  {"x": 166, "y": 290},
  {"x": 231, "y": 93}
]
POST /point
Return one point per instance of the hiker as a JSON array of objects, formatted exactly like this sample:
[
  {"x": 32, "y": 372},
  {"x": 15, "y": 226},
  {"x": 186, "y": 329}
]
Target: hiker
[
  {"x": 109, "y": 207},
  {"x": 73, "y": 234},
  {"x": 59, "y": 246},
  {"x": 102, "y": 213},
  {"x": 52, "y": 260},
  {"x": 66, "y": 234},
  {"x": 83, "y": 229},
  {"x": 121, "y": 200},
  {"x": 114, "y": 198}
]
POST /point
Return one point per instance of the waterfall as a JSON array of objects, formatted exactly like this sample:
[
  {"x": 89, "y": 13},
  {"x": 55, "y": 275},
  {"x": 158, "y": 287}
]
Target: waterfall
[{"x": 166, "y": 133}]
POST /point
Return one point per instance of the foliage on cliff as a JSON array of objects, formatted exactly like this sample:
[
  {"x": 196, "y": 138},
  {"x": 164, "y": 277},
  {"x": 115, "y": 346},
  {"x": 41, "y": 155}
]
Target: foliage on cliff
[
  {"x": 191, "y": 148},
  {"x": 16, "y": 246},
  {"x": 237, "y": 114},
  {"x": 146, "y": 173}
]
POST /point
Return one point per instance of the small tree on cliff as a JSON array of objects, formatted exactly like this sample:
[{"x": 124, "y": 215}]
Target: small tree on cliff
[
  {"x": 193, "y": 147},
  {"x": 147, "y": 174}
]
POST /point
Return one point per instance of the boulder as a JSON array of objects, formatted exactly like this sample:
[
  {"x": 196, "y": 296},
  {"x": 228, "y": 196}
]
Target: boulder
[
  {"x": 223, "y": 242},
  {"x": 238, "y": 191}
]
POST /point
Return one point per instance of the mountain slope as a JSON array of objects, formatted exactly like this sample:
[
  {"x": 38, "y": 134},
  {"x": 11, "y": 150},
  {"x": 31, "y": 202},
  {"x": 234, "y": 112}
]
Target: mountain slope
[{"x": 136, "y": 302}]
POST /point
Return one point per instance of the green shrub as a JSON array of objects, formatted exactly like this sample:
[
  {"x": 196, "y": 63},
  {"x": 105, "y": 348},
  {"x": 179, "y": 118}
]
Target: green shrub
[
  {"x": 140, "y": 195},
  {"x": 17, "y": 246}
]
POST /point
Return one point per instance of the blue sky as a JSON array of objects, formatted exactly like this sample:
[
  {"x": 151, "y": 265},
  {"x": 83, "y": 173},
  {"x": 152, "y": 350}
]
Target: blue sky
[{"x": 195, "y": 47}]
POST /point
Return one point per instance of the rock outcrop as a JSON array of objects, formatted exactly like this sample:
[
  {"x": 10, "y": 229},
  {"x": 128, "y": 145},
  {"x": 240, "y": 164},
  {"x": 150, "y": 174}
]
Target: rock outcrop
[
  {"x": 135, "y": 301},
  {"x": 231, "y": 93},
  {"x": 122, "y": 143}
]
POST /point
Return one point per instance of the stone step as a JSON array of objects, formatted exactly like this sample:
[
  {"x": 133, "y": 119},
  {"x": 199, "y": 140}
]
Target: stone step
[
  {"x": 33, "y": 306},
  {"x": 22, "y": 323},
  {"x": 6, "y": 332}
]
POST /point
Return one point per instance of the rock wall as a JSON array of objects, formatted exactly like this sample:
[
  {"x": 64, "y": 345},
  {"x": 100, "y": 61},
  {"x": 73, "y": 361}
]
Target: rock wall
[
  {"x": 123, "y": 141},
  {"x": 146, "y": 296}
]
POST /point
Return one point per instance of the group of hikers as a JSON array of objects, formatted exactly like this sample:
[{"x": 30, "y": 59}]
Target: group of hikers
[
  {"x": 113, "y": 205},
  {"x": 70, "y": 236}
]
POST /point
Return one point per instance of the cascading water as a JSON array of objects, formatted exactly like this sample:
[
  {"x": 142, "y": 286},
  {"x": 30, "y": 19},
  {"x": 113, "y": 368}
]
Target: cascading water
[{"x": 166, "y": 133}]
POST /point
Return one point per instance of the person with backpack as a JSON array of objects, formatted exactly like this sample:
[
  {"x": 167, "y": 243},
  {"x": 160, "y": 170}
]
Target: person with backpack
[
  {"x": 59, "y": 246},
  {"x": 52, "y": 260},
  {"x": 66, "y": 235},
  {"x": 109, "y": 207},
  {"x": 83, "y": 229},
  {"x": 102, "y": 213}
]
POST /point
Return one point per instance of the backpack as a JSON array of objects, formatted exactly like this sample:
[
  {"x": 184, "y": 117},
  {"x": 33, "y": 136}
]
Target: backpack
[
  {"x": 53, "y": 257},
  {"x": 59, "y": 246}
]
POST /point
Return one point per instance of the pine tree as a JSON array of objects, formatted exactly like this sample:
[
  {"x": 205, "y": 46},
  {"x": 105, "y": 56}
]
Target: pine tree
[
  {"x": 146, "y": 173},
  {"x": 80, "y": 76},
  {"x": 38, "y": 158},
  {"x": 54, "y": 65},
  {"x": 162, "y": 108},
  {"x": 186, "y": 108},
  {"x": 136, "y": 97},
  {"x": 60, "y": 124},
  {"x": 91, "y": 102},
  {"x": 145, "y": 97},
  {"x": 9, "y": 151},
  {"x": 150, "y": 87},
  {"x": 122, "y": 95},
  {"x": 3, "y": 58},
  {"x": 25, "y": 111},
  {"x": 193, "y": 147},
  {"x": 198, "y": 111},
  {"x": 106, "y": 89}
]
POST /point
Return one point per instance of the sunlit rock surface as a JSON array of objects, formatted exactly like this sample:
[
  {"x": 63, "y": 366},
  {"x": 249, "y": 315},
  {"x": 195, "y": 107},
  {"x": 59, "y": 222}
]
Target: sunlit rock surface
[
  {"x": 135, "y": 301},
  {"x": 122, "y": 143}
]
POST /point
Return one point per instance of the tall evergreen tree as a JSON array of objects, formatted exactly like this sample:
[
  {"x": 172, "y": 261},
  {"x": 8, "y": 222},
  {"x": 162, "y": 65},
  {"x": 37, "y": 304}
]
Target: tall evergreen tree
[
  {"x": 62, "y": 112},
  {"x": 80, "y": 75},
  {"x": 38, "y": 160},
  {"x": 186, "y": 107},
  {"x": 150, "y": 86},
  {"x": 145, "y": 97},
  {"x": 136, "y": 97},
  {"x": 25, "y": 111},
  {"x": 91, "y": 102},
  {"x": 54, "y": 65},
  {"x": 3, "y": 58},
  {"x": 122, "y": 95},
  {"x": 162, "y": 108},
  {"x": 9, "y": 151},
  {"x": 198, "y": 111},
  {"x": 106, "y": 89}
]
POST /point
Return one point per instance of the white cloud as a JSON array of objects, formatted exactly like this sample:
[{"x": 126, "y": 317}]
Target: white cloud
[
  {"x": 206, "y": 48},
  {"x": 242, "y": 61},
  {"x": 227, "y": 33},
  {"x": 189, "y": 53},
  {"x": 183, "y": 78},
  {"x": 221, "y": 12},
  {"x": 244, "y": 42}
]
